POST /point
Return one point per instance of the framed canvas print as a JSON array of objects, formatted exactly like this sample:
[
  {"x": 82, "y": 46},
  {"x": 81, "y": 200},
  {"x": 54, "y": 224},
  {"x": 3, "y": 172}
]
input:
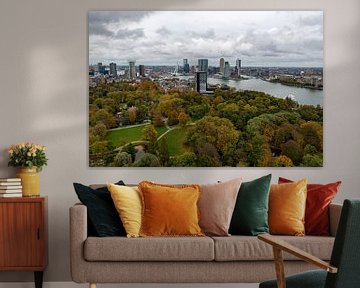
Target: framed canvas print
[{"x": 205, "y": 88}]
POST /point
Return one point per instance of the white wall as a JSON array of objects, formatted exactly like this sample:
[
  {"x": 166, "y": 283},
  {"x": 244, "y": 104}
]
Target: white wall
[{"x": 43, "y": 90}]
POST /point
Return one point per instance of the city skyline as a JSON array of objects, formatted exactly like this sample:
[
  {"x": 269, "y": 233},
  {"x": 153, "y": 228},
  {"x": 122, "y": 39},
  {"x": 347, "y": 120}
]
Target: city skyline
[{"x": 258, "y": 38}]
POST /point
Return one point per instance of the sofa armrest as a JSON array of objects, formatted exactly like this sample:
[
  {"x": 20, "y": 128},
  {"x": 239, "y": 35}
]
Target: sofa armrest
[
  {"x": 78, "y": 235},
  {"x": 334, "y": 217}
]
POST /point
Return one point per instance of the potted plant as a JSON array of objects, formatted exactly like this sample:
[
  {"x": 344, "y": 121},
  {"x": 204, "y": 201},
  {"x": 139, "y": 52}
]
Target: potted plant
[{"x": 30, "y": 158}]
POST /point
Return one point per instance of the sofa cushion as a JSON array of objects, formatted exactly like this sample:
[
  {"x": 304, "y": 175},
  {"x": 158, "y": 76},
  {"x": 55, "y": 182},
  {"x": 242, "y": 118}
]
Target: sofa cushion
[
  {"x": 149, "y": 249},
  {"x": 318, "y": 199},
  {"x": 127, "y": 201},
  {"x": 169, "y": 210},
  {"x": 250, "y": 215},
  {"x": 287, "y": 204},
  {"x": 102, "y": 215},
  {"x": 216, "y": 205},
  {"x": 245, "y": 248}
]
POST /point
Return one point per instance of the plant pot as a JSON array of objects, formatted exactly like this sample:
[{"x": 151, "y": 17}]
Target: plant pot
[{"x": 30, "y": 181}]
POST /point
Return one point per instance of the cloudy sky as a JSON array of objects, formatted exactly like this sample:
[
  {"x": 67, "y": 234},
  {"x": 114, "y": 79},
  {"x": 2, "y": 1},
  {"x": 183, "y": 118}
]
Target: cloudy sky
[{"x": 258, "y": 38}]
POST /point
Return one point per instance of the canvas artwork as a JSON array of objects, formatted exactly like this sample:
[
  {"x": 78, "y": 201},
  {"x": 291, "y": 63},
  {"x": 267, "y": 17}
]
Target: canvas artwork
[{"x": 205, "y": 88}]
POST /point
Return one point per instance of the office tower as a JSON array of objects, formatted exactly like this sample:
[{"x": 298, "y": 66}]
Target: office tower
[
  {"x": 222, "y": 65},
  {"x": 201, "y": 81},
  {"x": 113, "y": 70},
  {"x": 193, "y": 69},
  {"x": 142, "y": 70},
  {"x": 203, "y": 65},
  {"x": 132, "y": 72},
  {"x": 100, "y": 68},
  {"x": 186, "y": 66},
  {"x": 226, "y": 70},
  {"x": 238, "y": 67}
]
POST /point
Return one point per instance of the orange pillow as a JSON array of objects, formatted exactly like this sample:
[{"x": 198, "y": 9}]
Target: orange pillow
[
  {"x": 169, "y": 210},
  {"x": 318, "y": 200},
  {"x": 287, "y": 204}
]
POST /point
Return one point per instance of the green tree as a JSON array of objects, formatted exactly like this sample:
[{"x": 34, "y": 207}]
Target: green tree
[
  {"x": 259, "y": 154},
  {"x": 312, "y": 161},
  {"x": 187, "y": 159},
  {"x": 122, "y": 159},
  {"x": 148, "y": 160},
  {"x": 163, "y": 152},
  {"x": 104, "y": 117},
  {"x": 313, "y": 134},
  {"x": 149, "y": 133},
  {"x": 219, "y": 132},
  {"x": 293, "y": 150}
]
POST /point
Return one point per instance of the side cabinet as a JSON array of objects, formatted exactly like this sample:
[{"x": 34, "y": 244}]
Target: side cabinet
[{"x": 23, "y": 235}]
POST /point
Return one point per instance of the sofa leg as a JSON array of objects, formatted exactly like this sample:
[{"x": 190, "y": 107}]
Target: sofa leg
[{"x": 92, "y": 285}]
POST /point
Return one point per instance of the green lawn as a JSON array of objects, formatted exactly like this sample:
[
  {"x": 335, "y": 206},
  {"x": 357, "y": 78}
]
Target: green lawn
[
  {"x": 175, "y": 140},
  {"x": 121, "y": 136}
]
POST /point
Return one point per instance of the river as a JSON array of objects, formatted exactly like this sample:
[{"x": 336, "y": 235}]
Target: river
[{"x": 302, "y": 95}]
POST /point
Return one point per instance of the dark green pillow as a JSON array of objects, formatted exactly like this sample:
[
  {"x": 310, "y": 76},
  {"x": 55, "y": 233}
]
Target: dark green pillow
[
  {"x": 250, "y": 216},
  {"x": 103, "y": 218}
]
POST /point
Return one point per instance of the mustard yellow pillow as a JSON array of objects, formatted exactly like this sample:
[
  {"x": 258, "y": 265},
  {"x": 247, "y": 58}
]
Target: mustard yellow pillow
[
  {"x": 287, "y": 204},
  {"x": 169, "y": 210},
  {"x": 127, "y": 201}
]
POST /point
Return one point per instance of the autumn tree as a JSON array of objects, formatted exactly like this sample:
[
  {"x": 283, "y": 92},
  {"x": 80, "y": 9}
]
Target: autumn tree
[
  {"x": 122, "y": 159},
  {"x": 313, "y": 134},
  {"x": 132, "y": 111},
  {"x": 282, "y": 161},
  {"x": 148, "y": 160},
  {"x": 182, "y": 118},
  {"x": 219, "y": 132}
]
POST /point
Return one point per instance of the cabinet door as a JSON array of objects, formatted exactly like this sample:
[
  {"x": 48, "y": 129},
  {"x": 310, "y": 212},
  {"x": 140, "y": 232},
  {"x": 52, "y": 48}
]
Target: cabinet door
[{"x": 21, "y": 234}]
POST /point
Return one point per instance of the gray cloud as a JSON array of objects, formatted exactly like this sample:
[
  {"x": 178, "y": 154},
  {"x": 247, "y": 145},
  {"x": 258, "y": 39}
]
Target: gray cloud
[
  {"x": 169, "y": 36},
  {"x": 209, "y": 34},
  {"x": 163, "y": 31},
  {"x": 127, "y": 33},
  {"x": 99, "y": 21}
]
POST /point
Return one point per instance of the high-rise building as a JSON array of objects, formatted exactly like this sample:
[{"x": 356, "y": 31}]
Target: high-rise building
[
  {"x": 201, "y": 81},
  {"x": 222, "y": 65},
  {"x": 238, "y": 67},
  {"x": 142, "y": 70},
  {"x": 100, "y": 68},
  {"x": 203, "y": 65},
  {"x": 113, "y": 70},
  {"x": 226, "y": 70},
  {"x": 132, "y": 71},
  {"x": 186, "y": 66}
]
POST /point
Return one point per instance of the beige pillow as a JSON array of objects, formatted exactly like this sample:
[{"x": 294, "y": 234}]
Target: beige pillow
[{"x": 216, "y": 206}]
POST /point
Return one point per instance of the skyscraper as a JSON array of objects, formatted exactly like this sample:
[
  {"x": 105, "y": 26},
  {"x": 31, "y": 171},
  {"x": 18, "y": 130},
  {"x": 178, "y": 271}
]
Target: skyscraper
[
  {"x": 226, "y": 70},
  {"x": 186, "y": 66},
  {"x": 132, "y": 71},
  {"x": 201, "y": 81},
  {"x": 203, "y": 65},
  {"x": 238, "y": 67},
  {"x": 142, "y": 70},
  {"x": 222, "y": 65},
  {"x": 113, "y": 70},
  {"x": 100, "y": 68}
]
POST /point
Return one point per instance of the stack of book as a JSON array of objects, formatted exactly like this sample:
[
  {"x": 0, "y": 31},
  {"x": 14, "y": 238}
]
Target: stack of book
[{"x": 10, "y": 187}]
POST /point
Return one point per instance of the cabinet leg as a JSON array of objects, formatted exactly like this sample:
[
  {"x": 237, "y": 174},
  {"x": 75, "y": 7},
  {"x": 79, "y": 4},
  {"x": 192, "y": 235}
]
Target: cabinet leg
[{"x": 38, "y": 279}]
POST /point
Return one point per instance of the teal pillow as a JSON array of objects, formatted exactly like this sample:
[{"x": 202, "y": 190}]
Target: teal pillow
[{"x": 250, "y": 216}]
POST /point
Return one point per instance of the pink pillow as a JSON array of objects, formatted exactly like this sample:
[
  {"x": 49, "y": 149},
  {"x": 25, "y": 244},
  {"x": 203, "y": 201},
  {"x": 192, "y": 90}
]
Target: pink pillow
[{"x": 216, "y": 206}]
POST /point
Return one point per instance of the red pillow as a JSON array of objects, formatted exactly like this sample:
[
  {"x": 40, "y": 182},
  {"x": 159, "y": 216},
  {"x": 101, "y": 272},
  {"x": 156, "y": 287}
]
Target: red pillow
[{"x": 319, "y": 197}]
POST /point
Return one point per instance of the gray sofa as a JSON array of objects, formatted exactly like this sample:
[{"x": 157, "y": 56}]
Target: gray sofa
[{"x": 234, "y": 259}]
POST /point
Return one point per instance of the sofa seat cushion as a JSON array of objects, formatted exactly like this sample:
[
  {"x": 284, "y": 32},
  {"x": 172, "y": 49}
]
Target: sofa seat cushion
[
  {"x": 244, "y": 248},
  {"x": 149, "y": 249}
]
